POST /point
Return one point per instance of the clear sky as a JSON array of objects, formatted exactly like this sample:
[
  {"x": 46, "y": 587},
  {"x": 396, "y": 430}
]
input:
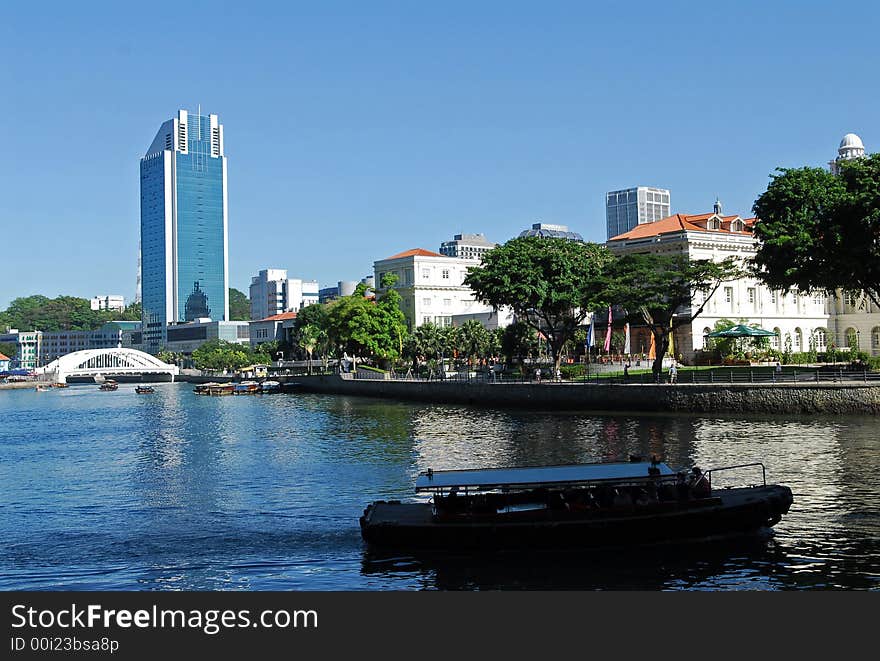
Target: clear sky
[{"x": 355, "y": 130}]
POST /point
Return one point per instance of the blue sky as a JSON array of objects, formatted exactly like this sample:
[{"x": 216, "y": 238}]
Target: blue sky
[{"x": 357, "y": 130}]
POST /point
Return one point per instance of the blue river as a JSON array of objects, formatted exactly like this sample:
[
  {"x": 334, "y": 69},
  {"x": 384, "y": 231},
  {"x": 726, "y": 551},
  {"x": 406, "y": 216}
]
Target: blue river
[{"x": 174, "y": 491}]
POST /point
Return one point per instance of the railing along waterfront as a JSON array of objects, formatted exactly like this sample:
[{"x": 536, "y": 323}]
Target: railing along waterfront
[{"x": 684, "y": 377}]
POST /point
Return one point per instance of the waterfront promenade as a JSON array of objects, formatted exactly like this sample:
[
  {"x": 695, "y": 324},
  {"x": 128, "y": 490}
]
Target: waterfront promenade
[{"x": 842, "y": 397}]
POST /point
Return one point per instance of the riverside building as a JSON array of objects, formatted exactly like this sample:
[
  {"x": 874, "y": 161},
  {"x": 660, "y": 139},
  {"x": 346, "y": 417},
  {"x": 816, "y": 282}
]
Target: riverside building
[
  {"x": 184, "y": 226},
  {"x": 431, "y": 286},
  {"x": 800, "y": 321},
  {"x": 855, "y": 318}
]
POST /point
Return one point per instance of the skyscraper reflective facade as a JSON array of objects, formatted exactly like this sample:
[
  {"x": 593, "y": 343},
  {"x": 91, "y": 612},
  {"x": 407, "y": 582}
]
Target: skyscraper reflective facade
[
  {"x": 624, "y": 209},
  {"x": 184, "y": 226}
]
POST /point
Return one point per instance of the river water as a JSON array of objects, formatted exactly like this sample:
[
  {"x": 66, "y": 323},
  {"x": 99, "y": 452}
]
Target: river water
[{"x": 173, "y": 491}]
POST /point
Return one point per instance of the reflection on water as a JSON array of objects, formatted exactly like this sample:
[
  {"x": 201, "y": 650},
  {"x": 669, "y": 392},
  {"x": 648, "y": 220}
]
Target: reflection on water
[{"x": 174, "y": 491}]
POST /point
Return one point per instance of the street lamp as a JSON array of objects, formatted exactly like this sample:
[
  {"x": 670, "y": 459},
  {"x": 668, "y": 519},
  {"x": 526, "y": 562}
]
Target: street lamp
[{"x": 858, "y": 340}]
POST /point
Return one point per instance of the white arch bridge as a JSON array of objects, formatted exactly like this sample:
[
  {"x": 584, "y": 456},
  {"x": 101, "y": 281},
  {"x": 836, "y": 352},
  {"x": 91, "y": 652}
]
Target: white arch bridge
[{"x": 127, "y": 364}]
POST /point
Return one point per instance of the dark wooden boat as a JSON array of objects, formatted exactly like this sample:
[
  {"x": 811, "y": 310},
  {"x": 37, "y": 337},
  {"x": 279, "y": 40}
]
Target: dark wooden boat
[
  {"x": 576, "y": 506},
  {"x": 144, "y": 390}
]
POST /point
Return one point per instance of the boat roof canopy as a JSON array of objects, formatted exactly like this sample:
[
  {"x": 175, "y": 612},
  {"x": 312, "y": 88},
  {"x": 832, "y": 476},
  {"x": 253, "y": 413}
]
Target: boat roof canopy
[{"x": 521, "y": 478}]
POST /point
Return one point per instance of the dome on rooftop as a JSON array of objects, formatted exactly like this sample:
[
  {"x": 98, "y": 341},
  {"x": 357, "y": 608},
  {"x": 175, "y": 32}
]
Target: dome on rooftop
[{"x": 851, "y": 141}]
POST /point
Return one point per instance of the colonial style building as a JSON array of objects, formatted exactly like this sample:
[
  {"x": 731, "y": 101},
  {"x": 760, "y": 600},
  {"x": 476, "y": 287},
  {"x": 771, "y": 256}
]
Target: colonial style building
[
  {"x": 855, "y": 318},
  {"x": 431, "y": 286},
  {"x": 800, "y": 321}
]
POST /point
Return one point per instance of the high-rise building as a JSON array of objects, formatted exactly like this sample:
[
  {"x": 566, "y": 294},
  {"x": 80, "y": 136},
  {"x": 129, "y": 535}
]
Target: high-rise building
[
  {"x": 184, "y": 226},
  {"x": 467, "y": 246},
  {"x": 625, "y": 209},
  {"x": 108, "y": 302},
  {"x": 272, "y": 292}
]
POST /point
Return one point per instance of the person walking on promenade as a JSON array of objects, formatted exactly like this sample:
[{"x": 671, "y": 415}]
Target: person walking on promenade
[
  {"x": 673, "y": 373},
  {"x": 538, "y": 375}
]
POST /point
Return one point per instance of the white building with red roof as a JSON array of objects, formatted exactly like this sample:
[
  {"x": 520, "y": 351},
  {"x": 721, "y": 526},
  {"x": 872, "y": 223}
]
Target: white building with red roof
[
  {"x": 432, "y": 289},
  {"x": 799, "y": 321}
]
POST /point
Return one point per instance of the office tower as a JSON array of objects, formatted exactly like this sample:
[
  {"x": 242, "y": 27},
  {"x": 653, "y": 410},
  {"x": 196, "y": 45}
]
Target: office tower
[
  {"x": 467, "y": 246},
  {"x": 624, "y": 209},
  {"x": 184, "y": 224}
]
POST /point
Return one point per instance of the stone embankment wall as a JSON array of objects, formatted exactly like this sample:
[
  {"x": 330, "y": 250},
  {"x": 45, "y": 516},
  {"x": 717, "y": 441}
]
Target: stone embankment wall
[{"x": 789, "y": 398}]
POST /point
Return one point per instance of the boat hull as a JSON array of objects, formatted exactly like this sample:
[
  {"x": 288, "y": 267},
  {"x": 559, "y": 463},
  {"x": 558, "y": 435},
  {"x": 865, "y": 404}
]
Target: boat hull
[{"x": 729, "y": 512}]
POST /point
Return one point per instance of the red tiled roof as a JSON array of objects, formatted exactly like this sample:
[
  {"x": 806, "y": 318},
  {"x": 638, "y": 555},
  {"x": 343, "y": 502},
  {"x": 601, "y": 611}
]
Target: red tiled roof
[
  {"x": 2, "y": 357},
  {"x": 415, "y": 252},
  {"x": 678, "y": 223},
  {"x": 280, "y": 317}
]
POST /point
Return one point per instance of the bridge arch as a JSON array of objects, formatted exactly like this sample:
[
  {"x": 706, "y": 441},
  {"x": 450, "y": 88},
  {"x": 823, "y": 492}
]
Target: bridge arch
[{"x": 106, "y": 362}]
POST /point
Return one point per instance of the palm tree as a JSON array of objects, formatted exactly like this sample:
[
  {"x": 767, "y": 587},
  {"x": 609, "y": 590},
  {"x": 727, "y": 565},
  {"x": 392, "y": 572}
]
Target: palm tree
[{"x": 309, "y": 336}]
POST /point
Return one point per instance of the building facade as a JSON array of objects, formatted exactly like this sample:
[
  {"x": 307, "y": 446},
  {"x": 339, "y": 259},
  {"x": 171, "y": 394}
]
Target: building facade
[
  {"x": 108, "y": 302},
  {"x": 431, "y": 286},
  {"x": 272, "y": 292},
  {"x": 184, "y": 226},
  {"x": 855, "y": 318},
  {"x": 467, "y": 246},
  {"x": 628, "y": 208},
  {"x": 548, "y": 230},
  {"x": 187, "y": 337},
  {"x": 278, "y": 327},
  {"x": 799, "y": 321},
  {"x": 28, "y": 345},
  {"x": 38, "y": 348}
]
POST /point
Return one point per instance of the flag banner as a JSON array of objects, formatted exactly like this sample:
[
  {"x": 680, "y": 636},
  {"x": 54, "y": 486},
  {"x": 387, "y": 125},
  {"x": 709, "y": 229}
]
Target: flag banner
[
  {"x": 626, "y": 339},
  {"x": 590, "y": 340},
  {"x": 608, "y": 333},
  {"x": 652, "y": 352}
]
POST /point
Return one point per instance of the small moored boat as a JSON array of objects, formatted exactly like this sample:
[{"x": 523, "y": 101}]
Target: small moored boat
[
  {"x": 270, "y": 387},
  {"x": 573, "y": 506},
  {"x": 109, "y": 384},
  {"x": 247, "y": 388},
  {"x": 144, "y": 390}
]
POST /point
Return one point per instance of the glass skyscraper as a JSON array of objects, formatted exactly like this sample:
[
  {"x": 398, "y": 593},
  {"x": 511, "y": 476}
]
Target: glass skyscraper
[
  {"x": 184, "y": 226},
  {"x": 624, "y": 209}
]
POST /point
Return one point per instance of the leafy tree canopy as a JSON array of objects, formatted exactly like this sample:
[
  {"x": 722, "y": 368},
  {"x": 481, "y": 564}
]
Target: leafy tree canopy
[
  {"x": 223, "y": 355},
  {"x": 658, "y": 290},
  {"x": 239, "y": 305},
  {"x": 61, "y": 313},
  {"x": 551, "y": 284},
  {"x": 820, "y": 231}
]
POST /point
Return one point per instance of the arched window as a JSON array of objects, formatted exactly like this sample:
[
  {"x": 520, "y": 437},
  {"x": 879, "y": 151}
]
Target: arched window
[
  {"x": 706, "y": 339},
  {"x": 775, "y": 340},
  {"x": 821, "y": 339},
  {"x": 798, "y": 339},
  {"x": 875, "y": 338},
  {"x": 850, "y": 337}
]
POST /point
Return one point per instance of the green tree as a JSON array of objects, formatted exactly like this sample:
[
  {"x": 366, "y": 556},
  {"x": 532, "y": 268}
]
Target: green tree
[
  {"x": 519, "y": 341},
  {"x": 820, "y": 231},
  {"x": 223, "y": 355},
  {"x": 309, "y": 338},
  {"x": 8, "y": 349},
  {"x": 239, "y": 305},
  {"x": 550, "y": 284},
  {"x": 659, "y": 289},
  {"x": 473, "y": 341},
  {"x": 362, "y": 327}
]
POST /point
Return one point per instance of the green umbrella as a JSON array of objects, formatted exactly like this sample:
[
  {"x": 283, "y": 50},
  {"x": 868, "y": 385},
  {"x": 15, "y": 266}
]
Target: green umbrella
[{"x": 741, "y": 330}]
